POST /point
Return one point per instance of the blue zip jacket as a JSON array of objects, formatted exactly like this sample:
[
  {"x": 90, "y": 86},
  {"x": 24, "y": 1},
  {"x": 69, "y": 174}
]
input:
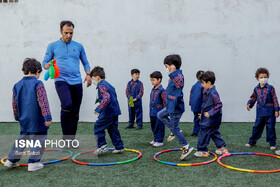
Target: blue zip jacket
[
  {"x": 29, "y": 112},
  {"x": 157, "y": 100},
  {"x": 196, "y": 97},
  {"x": 68, "y": 56},
  {"x": 112, "y": 109},
  {"x": 213, "y": 105},
  {"x": 174, "y": 91}
]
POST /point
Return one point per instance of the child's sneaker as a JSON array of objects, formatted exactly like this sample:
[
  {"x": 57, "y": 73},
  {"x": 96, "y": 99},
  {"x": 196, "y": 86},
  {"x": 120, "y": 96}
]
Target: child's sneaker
[
  {"x": 277, "y": 152},
  {"x": 187, "y": 149},
  {"x": 116, "y": 151},
  {"x": 250, "y": 144},
  {"x": 172, "y": 136},
  {"x": 201, "y": 153},
  {"x": 157, "y": 144},
  {"x": 35, "y": 166},
  {"x": 10, "y": 164},
  {"x": 222, "y": 151},
  {"x": 272, "y": 147},
  {"x": 152, "y": 142},
  {"x": 129, "y": 127},
  {"x": 139, "y": 127},
  {"x": 102, "y": 149}
]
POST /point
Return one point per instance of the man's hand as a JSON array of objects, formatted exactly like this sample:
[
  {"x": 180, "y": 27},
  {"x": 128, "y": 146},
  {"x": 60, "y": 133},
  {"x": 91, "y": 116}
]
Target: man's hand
[
  {"x": 277, "y": 114},
  {"x": 88, "y": 80},
  {"x": 206, "y": 114},
  {"x": 47, "y": 66},
  {"x": 48, "y": 123},
  {"x": 248, "y": 107}
]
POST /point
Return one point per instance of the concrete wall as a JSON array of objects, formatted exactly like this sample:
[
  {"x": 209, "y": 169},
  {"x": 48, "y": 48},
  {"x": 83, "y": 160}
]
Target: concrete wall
[{"x": 230, "y": 37}]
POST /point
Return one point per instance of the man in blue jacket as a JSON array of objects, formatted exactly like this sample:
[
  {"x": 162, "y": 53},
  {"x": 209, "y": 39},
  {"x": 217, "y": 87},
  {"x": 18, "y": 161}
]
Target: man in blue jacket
[{"x": 68, "y": 54}]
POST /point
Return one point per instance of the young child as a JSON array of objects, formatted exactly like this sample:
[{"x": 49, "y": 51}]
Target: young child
[
  {"x": 108, "y": 113},
  {"x": 31, "y": 110},
  {"x": 267, "y": 109},
  {"x": 175, "y": 102},
  {"x": 210, "y": 117},
  {"x": 157, "y": 103},
  {"x": 195, "y": 102},
  {"x": 136, "y": 90}
]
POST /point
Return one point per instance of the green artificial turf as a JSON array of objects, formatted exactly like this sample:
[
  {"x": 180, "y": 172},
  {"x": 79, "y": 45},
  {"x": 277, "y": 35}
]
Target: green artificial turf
[{"x": 146, "y": 171}]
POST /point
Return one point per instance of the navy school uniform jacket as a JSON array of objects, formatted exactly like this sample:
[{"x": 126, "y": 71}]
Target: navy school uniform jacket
[
  {"x": 135, "y": 89},
  {"x": 267, "y": 102},
  {"x": 196, "y": 97},
  {"x": 174, "y": 91},
  {"x": 157, "y": 100},
  {"x": 30, "y": 105},
  {"x": 107, "y": 97},
  {"x": 212, "y": 104}
]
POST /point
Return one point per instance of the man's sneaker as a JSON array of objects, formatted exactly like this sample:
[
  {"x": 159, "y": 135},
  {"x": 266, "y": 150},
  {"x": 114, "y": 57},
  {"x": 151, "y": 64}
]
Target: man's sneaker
[
  {"x": 139, "y": 127},
  {"x": 222, "y": 151},
  {"x": 157, "y": 144},
  {"x": 172, "y": 136},
  {"x": 116, "y": 151},
  {"x": 152, "y": 142},
  {"x": 129, "y": 127},
  {"x": 250, "y": 144},
  {"x": 194, "y": 135},
  {"x": 35, "y": 166},
  {"x": 10, "y": 164},
  {"x": 201, "y": 154},
  {"x": 272, "y": 147},
  {"x": 102, "y": 149},
  {"x": 187, "y": 149},
  {"x": 277, "y": 152}
]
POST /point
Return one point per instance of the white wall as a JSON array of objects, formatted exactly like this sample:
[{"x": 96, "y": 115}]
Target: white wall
[{"x": 230, "y": 37}]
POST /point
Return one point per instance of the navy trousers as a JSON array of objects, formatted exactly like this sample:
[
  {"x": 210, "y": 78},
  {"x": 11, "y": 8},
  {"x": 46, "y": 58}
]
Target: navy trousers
[
  {"x": 196, "y": 126},
  {"x": 137, "y": 112},
  {"x": 111, "y": 124},
  {"x": 70, "y": 98},
  {"x": 269, "y": 122},
  {"x": 36, "y": 153},
  {"x": 205, "y": 134},
  {"x": 158, "y": 129}
]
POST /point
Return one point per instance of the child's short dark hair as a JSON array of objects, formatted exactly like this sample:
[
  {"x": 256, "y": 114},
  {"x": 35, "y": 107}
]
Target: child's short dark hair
[
  {"x": 208, "y": 76},
  {"x": 31, "y": 65},
  {"x": 98, "y": 71},
  {"x": 173, "y": 59},
  {"x": 261, "y": 70},
  {"x": 199, "y": 73},
  {"x": 156, "y": 75},
  {"x": 66, "y": 22},
  {"x": 134, "y": 71}
]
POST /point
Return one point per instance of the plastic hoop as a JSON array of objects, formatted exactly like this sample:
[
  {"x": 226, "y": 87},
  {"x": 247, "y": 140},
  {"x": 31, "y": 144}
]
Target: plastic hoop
[
  {"x": 247, "y": 170},
  {"x": 45, "y": 163},
  {"x": 107, "y": 164},
  {"x": 176, "y": 164}
]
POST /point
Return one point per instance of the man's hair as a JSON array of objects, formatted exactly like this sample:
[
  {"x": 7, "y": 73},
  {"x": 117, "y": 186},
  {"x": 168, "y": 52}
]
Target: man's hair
[
  {"x": 97, "y": 71},
  {"x": 261, "y": 70},
  {"x": 199, "y": 73},
  {"x": 66, "y": 22},
  {"x": 134, "y": 71},
  {"x": 31, "y": 65},
  {"x": 208, "y": 76},
  {"x": 173, "y": 59},
  {"x": 156, "y": 75}
]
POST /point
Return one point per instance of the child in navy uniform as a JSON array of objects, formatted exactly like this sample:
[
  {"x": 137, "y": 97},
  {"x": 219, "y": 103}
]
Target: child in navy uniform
[
  {"x": 267, "y": 109},
  {"x": 210, "y": 117},
  {"x": 157, "y": 103},
  {"x": 195, "y": 102},
  {"x": 136, "y": 90},
  {"x": 108, "y": 112},
  {"x": 175, "y": 102},
  {"x": 31, "y": 110}
]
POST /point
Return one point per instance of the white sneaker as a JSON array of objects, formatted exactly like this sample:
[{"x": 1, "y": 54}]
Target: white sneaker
[
  {"x": 152, "y": 142},
  {"x": 116, "y": 151},
  {"x": 277, "y": 152},
  {"x": 187, "y": 149},
  {"x": 157, "y": 144},
  {"x": 10, "y": 164},
  {"x": 102, "y": 149},
  {"x": 35, "y": 166},
  {"x": 172, "y": 136},
  {"x": 272, "y": 148}
]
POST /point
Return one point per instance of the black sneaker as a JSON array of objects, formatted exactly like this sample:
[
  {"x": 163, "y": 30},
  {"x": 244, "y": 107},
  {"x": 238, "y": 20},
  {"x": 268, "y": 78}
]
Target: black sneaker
[
  {"x": 194, "y": 135},
  {"x": 129, "y": 127},
  {"x": 139, "y": 127}
]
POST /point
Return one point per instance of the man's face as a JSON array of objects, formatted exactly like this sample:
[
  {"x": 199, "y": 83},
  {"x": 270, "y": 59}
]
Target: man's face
[{"x": 67, "y": 33}]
